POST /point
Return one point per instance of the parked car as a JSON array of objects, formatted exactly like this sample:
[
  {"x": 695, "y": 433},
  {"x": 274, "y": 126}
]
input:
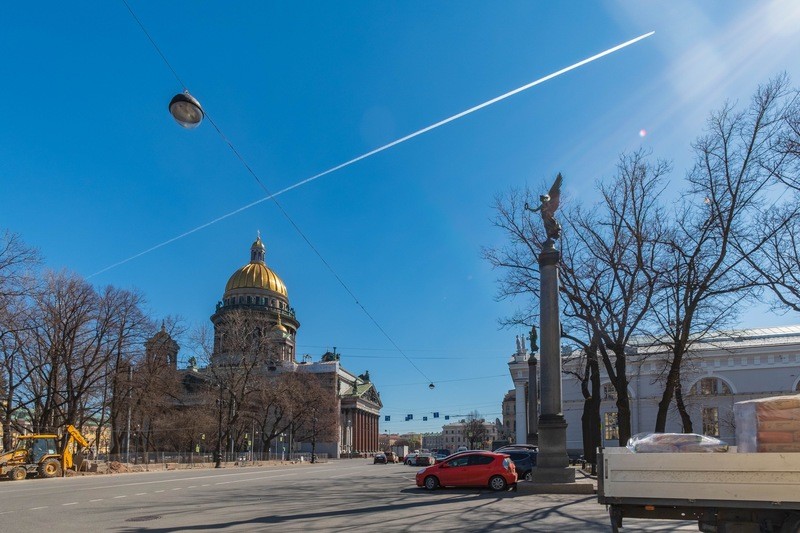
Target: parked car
[
  {"x": 425, "y": 459},
  {"x": 474, "y": 469},
  {"x": 411, "y": 459},
  {"x": 524, "y": 460},
  {"x": 440, "y": 456},
  {"x": 461, "y": 449},
  {"x": 518, "y": 447},
  {"x": 391, "y": 457},
  {"x": 380, "y": 459}
]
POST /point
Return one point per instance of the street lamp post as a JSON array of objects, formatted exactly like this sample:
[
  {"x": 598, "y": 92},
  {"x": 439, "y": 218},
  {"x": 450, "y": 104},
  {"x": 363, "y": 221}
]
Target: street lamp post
[{"x": 218, "y": 458}]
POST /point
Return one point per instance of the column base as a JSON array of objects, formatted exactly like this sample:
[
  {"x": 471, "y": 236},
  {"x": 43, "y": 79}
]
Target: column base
[{"x": 553, "y": 475}]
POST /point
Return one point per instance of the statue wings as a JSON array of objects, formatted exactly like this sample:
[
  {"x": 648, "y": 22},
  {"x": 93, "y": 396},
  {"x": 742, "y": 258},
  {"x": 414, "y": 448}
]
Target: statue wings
[{"x": 554, "y": 197}]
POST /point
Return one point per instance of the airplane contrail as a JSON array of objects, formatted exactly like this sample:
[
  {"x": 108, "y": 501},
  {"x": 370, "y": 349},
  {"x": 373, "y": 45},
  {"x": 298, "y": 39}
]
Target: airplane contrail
[{"x": 382, "y": 148}]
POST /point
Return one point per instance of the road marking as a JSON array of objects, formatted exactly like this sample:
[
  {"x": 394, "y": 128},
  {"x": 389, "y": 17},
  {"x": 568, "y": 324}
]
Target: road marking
[
  {"x": 206, "y": 485},
  {"x": 141, "y": 493},
  {"x": 71, "y": 503},
  {"x": 177, "y": 488},
  {"x": 192, "y": 487},
  {"x": 118, "y": 497},
  {"x": 159, "y": 491},
  {"x": 37, "y": 508},
  {"x": 97, "y": 500},
  {"x": 343, "y": 475},
  {"x": 6, "y": 512}
]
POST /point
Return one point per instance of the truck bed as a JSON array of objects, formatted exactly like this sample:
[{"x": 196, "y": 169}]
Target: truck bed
[{"x": 738, "y": 479}]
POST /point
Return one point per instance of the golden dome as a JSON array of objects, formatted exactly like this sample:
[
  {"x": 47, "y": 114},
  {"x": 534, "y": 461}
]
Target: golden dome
[{"x": 256, "y": 276}]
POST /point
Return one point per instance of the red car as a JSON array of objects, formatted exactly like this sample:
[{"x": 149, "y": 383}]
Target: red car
[{"x": 473, "y": 469}]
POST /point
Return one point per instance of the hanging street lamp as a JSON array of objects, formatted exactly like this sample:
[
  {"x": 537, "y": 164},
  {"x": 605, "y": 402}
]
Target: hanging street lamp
[{"x": 186, "y": 110}]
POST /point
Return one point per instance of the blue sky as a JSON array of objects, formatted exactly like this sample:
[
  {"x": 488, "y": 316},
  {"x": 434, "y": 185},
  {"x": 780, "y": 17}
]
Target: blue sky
[{"x": 94, "y": 171}]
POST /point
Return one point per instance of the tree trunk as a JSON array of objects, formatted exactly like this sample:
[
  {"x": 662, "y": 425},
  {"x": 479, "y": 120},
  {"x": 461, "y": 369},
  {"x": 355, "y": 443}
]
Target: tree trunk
[
  {"x": 666, "y": 397},
  {"x": 685, "y": 418}
]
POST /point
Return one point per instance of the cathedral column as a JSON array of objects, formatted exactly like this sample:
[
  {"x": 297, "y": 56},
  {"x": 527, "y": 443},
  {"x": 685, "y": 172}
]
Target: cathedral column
[{"x": 360, "y": 431}]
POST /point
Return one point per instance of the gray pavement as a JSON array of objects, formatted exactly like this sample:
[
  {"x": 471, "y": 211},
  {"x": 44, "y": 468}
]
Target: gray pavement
[{"x": 349, "y": 495}]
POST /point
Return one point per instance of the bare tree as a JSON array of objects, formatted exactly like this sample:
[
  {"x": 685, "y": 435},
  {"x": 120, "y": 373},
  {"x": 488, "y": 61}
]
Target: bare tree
[
  {"x": 716, "y": 231},
  {"x": 610, "y": 263},
  {"x": 315, "y": 412},
  {"x": 18, "y": 267},
  {"x": 475, "y": 430},
  {"x": 776, "y": 264}
]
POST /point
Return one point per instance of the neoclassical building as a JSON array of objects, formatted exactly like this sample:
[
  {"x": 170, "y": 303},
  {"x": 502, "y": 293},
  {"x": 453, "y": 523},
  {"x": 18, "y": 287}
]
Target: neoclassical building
[
  {"x": 258, "y": 291},
  {"x": 721, "y": 369}
]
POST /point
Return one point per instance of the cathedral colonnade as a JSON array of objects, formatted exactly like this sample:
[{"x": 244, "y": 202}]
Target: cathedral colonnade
[{"x": 360, "y": 431}]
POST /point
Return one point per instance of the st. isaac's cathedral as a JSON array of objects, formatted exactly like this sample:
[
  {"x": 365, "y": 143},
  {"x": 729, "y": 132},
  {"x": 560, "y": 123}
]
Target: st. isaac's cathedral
[{"x": 258, "y": 290}]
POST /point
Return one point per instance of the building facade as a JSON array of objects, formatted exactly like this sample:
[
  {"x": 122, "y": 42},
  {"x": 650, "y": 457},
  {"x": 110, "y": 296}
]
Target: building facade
[
  {"x": 453, "y": 435},
  {"x": 720, "y": 370}
]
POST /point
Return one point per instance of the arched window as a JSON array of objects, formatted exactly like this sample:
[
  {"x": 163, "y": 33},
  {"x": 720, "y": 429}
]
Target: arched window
[
  {"x": 609, "y": 392},
  {"x": 710, "y": 387},
  {"x": 249, "y": 300},
  {"x": 241, "y": 299}
]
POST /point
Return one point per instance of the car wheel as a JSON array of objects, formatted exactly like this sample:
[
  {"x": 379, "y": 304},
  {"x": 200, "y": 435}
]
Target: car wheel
[
  {"x": 431, "y": 483},
  {"x": 528, "y": 476},
  {"x": 497, "y": 483},
  {"x": 18, "y": 474}
]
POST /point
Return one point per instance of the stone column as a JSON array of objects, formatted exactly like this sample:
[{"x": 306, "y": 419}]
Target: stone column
[
  {"x": 519, "y": 414},
  {"x": 533, "y": 402},
  {"x": 359, "y": 431},
  {"x": 552, "y": 463}
]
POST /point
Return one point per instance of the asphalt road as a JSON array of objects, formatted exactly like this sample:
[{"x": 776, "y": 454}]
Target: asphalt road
[{"x": 349, "y": 495}]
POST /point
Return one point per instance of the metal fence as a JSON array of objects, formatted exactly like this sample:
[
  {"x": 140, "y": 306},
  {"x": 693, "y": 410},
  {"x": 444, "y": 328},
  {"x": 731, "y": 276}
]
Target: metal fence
[{"x": 189, "y": 458}]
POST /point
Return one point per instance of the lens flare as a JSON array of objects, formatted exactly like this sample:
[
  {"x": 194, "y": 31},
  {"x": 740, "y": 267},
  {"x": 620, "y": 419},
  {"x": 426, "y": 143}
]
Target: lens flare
[{"x": 642, "y": 132}]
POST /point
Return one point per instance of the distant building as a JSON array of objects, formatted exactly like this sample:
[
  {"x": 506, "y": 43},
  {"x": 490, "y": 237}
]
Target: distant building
[
  {"x": 509, "y": 416},
  {"x": 453, "y": 435},
  {"x": 721, "y": 369},
  {"x": 432, "y": 441}
]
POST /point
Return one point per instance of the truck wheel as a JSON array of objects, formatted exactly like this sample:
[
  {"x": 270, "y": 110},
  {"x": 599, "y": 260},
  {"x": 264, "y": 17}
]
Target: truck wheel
[
  {"x": 50, "y": 468},
  {"x": 17, "y": 474},
  {"x": 616, "y": 519}
]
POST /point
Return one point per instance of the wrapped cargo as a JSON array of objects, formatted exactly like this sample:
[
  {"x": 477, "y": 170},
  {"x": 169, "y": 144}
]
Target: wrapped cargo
[
  {"x": 675, "y": 443},
  {"x": 768, "y": 424}
]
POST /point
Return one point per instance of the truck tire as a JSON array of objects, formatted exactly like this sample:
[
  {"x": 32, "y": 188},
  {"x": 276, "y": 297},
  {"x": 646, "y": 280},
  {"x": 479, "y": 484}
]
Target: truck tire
[
  {"x": 49, "y": 468},
  {"x": 18, "y": 473}
]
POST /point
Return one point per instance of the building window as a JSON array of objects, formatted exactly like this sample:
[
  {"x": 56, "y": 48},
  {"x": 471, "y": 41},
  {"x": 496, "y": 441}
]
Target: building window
[
  {"x": 711, "y": 421},
  {"x": 611, "y": 426},
  {"x": 609, "y": 392},
  {"x": 710, "y": 387},
  {"x": 249, "y": 300}
]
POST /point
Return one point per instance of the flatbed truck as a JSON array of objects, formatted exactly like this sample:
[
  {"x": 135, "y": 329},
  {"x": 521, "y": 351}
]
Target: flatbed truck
[{"x": 724, "y": 492}]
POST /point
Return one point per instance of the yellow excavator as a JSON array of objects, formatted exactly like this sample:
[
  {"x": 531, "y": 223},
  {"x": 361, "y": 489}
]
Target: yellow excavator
[{"x": 38, "y": 454}]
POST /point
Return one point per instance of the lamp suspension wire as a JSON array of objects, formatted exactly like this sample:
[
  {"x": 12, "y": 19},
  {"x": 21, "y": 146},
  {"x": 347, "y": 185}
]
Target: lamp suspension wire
[{"x": 275, "y": 201}]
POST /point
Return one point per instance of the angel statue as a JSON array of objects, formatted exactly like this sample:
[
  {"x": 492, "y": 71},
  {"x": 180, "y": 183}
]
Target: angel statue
[{"x": 548, "y": 208}]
